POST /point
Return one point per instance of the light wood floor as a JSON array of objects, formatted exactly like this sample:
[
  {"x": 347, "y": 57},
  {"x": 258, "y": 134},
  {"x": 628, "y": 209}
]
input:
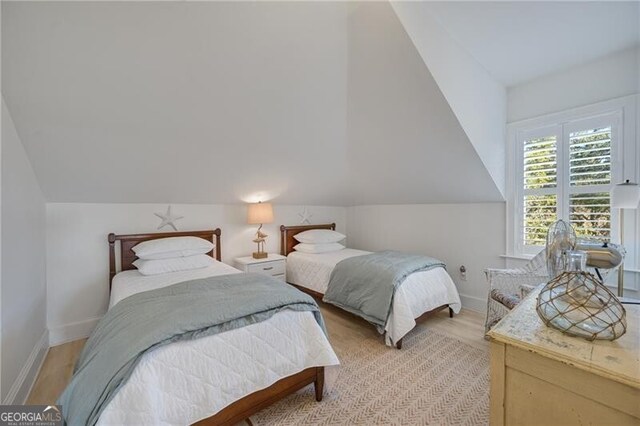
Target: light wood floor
[
  {"x": 55, "y": 373},
  {"x": 467, "y": 326}
]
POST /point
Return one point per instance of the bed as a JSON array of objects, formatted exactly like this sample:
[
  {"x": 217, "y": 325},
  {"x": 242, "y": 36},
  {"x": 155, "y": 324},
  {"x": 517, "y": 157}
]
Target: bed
[
  {"x": 219, "y": 379},
  {"x": 421, "y": 295}
]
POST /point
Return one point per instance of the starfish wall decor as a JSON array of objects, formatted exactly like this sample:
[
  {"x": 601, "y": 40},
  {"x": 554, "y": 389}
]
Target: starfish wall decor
[
  {"x": 168, "y": 219},
  {"x": 305, "y": 216}
]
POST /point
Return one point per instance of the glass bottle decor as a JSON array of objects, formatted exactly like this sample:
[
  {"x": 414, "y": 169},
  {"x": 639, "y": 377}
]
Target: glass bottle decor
[{"x": 577, "y": 303}]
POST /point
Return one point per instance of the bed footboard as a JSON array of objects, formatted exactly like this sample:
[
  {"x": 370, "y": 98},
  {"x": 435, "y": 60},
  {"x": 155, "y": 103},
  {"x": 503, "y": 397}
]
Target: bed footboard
[
  {"x": 251, "y": 404},
  {"x": 426, "y": 315}
]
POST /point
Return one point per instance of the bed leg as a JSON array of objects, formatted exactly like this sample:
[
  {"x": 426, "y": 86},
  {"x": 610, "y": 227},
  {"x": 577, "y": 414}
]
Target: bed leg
[
  {"x": 319, "y": 383},
  {"x": 399, "y": 344},
  {"x": 450, "y": 312}
]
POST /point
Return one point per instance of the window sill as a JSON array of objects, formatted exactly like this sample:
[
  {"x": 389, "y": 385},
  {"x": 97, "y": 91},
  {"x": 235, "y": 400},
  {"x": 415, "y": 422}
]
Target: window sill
[
  {"x": 517, "y": 256},
  {"x": 527, "y": 257}
]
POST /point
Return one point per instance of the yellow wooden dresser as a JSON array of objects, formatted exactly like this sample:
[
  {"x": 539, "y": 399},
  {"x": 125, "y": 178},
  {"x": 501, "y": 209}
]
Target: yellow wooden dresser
[{"x": 540, "y": 376}]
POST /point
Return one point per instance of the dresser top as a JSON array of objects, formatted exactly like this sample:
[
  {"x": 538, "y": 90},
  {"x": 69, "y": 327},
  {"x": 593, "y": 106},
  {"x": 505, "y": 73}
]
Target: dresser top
[{"x": 618, "y": 360}]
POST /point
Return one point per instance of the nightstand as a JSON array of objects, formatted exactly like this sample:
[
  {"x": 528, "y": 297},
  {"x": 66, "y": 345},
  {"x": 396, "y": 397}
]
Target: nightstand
[{"x": 273, "y": 265}]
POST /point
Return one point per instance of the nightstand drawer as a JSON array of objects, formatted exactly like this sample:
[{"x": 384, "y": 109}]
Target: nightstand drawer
[{"x": 268, "y": 268}]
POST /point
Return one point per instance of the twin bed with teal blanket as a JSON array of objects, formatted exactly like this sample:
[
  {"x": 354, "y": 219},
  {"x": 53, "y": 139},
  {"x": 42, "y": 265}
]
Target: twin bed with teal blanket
[
  {"x": 389, "y": 289},
  {"x": 365, "y": 285},
  {"x": 149, "y": 320},
  {"x": 215, "y": 348}
]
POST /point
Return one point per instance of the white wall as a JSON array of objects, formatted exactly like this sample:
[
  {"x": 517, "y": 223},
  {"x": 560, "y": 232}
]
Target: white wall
[
  {"x": 24, "y": 333},
  {"x": 78, "y": 256},
  {"x": 606, "y": 78},
  {"x": 472, "y": 235},
  {"x": 477, "y": 99}
]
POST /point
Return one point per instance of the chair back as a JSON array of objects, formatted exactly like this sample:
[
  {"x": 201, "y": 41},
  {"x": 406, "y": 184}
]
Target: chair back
[{"x": 538, "y": 265}]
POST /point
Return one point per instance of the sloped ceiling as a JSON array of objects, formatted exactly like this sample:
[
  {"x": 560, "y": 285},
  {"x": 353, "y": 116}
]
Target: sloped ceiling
[
  {"x": 478, "y": 101},
  {"x": 214, "y": 102},
  {"x": 405, "y": 142}
]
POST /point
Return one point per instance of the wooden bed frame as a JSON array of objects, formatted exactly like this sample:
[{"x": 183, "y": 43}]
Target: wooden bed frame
[
  {"x": 127, "y": 242},
  {"x": 245, "y": 407},
  {"x": 287, "y": 242}
]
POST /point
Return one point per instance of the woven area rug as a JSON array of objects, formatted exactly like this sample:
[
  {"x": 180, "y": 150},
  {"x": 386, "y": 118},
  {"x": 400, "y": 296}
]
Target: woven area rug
[{"x": 435, "y": 379}]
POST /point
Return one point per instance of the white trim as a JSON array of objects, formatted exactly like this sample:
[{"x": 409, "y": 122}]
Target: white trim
[
  {"x": 530, "y": 256},
  {"x": 73, "y": 331},
  {"x": 474, "y": 303},
  {"x": 518, "y": 257},
  {"x": 19, "y": 391},
  {"x": 598, "y": 108},
  {"x": 45, "y": 344}
]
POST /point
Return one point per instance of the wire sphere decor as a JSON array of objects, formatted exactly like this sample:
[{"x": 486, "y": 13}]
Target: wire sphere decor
[{"x": 578, "y": 304}]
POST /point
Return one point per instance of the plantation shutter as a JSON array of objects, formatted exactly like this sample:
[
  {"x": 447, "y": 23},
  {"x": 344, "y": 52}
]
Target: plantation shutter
[
  {"x": 567, "y": 172},
  {"x": 540, "y": 179},
  {"x": 590, "y": 182}
]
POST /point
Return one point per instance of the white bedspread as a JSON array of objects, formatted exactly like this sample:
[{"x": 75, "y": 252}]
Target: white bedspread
[
  {"x": 187, "y": 381},
  {"x": 421, "y": 292}
]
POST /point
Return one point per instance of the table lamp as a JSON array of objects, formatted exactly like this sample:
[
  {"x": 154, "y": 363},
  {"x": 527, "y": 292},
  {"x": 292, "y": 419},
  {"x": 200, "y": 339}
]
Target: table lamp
[
  {"x": 624, "y": 196},
  {"x": 259, "y": 214}
]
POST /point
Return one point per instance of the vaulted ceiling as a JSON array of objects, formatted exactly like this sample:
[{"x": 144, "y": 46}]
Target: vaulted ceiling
[
  {"x": 405, "y": 141},
  {"x": 223, "y": 102}
]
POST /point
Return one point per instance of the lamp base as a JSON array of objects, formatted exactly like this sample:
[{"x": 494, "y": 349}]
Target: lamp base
[{"x": 260, "y": 255}]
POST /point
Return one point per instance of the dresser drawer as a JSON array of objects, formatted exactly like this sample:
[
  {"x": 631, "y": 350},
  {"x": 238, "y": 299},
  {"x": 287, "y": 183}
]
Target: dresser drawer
[{"x": 268, "y": 268}]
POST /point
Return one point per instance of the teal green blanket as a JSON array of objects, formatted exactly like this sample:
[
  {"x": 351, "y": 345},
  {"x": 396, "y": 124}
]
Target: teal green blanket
[
  {"x": 365, "y": 285},
  {"x": 149, "y": 320}
]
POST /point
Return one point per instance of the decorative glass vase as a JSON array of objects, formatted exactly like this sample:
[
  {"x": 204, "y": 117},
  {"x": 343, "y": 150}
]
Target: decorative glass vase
[
  {"x": 578, "y": 304},
  {"x": 576, "y": 260}
]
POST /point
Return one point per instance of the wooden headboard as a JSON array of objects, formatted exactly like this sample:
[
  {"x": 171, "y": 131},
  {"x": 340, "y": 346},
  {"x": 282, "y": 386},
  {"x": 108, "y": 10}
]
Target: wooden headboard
[
  {"x": 127, "y": 242},
  {"x": 287, "y": 232}
]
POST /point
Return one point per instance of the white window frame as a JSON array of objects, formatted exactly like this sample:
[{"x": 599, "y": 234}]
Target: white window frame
[{"x": 623, "y": 158}]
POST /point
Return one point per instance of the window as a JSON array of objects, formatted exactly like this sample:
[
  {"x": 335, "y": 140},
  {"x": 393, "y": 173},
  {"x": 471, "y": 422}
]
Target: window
[
  {"x": 566, "y": 171},
  {"x": 540, "y": 183}
]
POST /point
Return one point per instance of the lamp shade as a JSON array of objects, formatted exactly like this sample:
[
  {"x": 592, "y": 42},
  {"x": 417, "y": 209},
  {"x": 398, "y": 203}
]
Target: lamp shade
[
  {"x": 259, "y": 213},
  {"x": 625, "y": 196}
]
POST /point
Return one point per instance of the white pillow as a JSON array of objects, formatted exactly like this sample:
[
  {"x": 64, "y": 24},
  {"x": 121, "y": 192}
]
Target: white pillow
[
  {"x": 319, "y": 236},
  {"x": 318, "y": 248},
  {"x": 166, "y": 248},
  {"x": 163, "y": 266}
]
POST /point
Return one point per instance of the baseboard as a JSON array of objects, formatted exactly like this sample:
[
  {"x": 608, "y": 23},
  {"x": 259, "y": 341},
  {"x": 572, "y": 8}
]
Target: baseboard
[
  {"x": 21, "y": 387},
  {"x": 474, "y": 303},
  {"x": 73, "y": 331}
]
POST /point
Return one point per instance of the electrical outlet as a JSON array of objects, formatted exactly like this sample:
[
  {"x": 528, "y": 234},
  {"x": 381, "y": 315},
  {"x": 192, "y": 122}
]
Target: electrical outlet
[{"x": 463, "y": 273}]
